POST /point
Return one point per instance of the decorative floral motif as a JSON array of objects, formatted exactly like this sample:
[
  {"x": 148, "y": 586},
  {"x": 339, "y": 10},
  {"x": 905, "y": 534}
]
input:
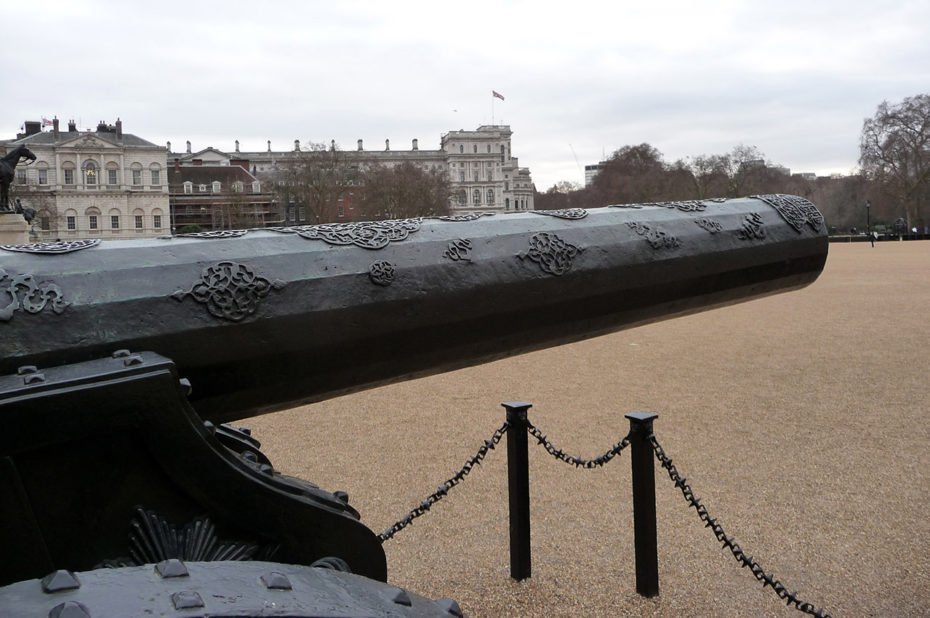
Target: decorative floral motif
[
  {"x": 685, "y": 206},
  {"x": 216, "y": 234},
  {"x": 554, "y": 255},
  {"x": 230, "y": 291},
  {"x": 752, "y": 227},
  {"x": 368, "y": 234},
  {"x": 53, "y": 247},
  {"x": 458, "y": 250},
  {"x": 710, "y": 225},
  {"x": 24, "y": 294},
  {"x": 626, "y": 206},
  {"x": 797, "y": 211},
  {"x": 382, "y": 273},
  {"x": 565, "y": 213},
  {"x": 656, "y": 238},
  {"x": 465, "y": 217}
]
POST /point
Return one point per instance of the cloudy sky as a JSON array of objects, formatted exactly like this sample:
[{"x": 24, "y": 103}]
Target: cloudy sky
[{"x": 580, "y": 79}]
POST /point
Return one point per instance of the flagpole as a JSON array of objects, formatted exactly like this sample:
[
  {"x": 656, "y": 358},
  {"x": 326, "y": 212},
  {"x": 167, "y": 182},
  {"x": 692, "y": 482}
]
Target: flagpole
[{"x": 492, "y": 108}]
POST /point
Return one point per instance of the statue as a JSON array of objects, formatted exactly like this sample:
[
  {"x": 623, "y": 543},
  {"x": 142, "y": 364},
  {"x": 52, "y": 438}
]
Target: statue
[{"x": 8, "y": 164}]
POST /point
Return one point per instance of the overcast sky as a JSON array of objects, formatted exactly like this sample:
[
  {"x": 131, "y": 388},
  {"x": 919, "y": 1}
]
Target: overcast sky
[{"x": 580, "y": 79}]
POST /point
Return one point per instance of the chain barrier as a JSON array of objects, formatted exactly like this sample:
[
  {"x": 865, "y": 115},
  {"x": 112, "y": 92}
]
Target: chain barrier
[
  {"x": 443, "y": 489},
  {"x": 790, "y": 598},
  {"x": 578, "y": 462}
]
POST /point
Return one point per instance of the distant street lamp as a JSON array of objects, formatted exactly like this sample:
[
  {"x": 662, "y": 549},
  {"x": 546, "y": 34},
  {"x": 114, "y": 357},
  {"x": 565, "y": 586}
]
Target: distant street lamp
[{"x": 868, "y": 222}]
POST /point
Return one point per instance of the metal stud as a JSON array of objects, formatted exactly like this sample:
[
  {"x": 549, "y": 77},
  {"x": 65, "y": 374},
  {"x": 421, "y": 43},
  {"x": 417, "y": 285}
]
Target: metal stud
[
  {"x": 451, "y": 607},
  {"x": 276, "y": 581},
  {"x": 172, "y": 567},
  {"x": 186, "y": 599},
  {"x": 60, "y": 581},
  {"x": 69, "y": 609},
  {"x": 399, "y": 596}
]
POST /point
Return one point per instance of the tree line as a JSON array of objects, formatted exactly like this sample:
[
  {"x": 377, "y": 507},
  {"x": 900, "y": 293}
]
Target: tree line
[{"x": 894, "y": 176}]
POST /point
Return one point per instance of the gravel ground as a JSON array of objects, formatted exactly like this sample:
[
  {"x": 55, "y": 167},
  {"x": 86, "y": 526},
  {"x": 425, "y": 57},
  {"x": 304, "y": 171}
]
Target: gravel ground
[{"x": 799, "y": 419}]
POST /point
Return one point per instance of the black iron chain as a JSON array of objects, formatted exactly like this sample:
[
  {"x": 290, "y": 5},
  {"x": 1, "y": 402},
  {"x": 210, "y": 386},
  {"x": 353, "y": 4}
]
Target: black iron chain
[
  {"x": 578, "y": 462},
  {"x": 791, "y": 598},
  {"x": 443, "y": 489}
]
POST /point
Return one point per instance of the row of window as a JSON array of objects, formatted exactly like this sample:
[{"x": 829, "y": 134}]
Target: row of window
[
  {"x": 216, "y": 187},
  {"x": 93, "y": 222},
  {"x": 474, "y": 149},
  {"x": 90, "y": 176}
]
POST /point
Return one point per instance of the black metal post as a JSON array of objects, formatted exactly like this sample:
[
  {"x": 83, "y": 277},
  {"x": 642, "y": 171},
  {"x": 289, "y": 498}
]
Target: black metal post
[
  {"x": 868, "y": 222},
  {"x": 642, "y": 460},
  {"x": 518, "y": 484}
]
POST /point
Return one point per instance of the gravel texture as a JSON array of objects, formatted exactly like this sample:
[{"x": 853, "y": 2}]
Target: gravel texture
[{"x": 799, "y": 419}]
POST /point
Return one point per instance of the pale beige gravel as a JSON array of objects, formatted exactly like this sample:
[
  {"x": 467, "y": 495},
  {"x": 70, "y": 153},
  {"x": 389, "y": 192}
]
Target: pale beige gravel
[{"x": 800, "y": 420}]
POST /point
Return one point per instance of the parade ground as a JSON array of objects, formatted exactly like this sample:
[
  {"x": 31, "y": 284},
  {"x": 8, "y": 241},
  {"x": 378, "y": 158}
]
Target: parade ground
[{"x": 800, "y": 420}]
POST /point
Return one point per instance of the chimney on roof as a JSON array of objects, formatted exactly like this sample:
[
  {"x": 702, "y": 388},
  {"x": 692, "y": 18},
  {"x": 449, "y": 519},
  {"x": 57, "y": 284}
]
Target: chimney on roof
[
  {"x": 169, "y": 146},
  {"x": 32, "y": 127},
  {"x": 359, "y": 145},
  {"x": 188, "y": 146},
  {"x": 387, "y": 144},
  {"x": 332, "y": 145},
  {"x": 72, "y": 127},
  {"x": 237, "y": 145},
  {"x": 415, "y": 145},
  {"x": 55, "y": 130},
  {"x": 119, "y": 128},
  {"x": 177, "y": 164},
  {"x": 269, "y": 145},
  {"x": 101, "y": 127},
  {"x": 296, "y": 144}
]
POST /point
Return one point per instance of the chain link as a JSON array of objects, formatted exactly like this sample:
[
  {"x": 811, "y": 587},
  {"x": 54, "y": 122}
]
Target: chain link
[
  {"x": 790, "y": 598},
  {"x": 443, "y": 489},
  {"x": 578, "y": 462}
]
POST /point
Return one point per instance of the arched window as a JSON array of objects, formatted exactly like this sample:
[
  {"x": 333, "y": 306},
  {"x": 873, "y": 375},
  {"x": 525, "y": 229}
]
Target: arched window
[
  {"x": 489, "y": 148},
  {"x": 474, "y": 148},
  {"x": 114, "y": 219},
  {"x": 45, "y": 220},
  {"x": 90, "y": 173},
  {"x": 490, "y": 196},
  {"x": 112, "y": 174},
  {"x": 137, "y": 174},
  {"x": 462, "y": 198},
  {"x": 216, "y": 186},
  {"x": 138, "y": 220},
  {"x": 461, "y": 149},
  {"x": 507, "y": 203},
  {"x": 155, "y": 171},
  {"x": 71, "y": 220},
  {"x": 156, "y": 218},
  {"x": 188, "y": 186},
  {"x": 93, "y": 218},
  {"x": 476, "y": 196},
  {"x": 42, "y": 173},
  {"x": 68, "y": 168}
]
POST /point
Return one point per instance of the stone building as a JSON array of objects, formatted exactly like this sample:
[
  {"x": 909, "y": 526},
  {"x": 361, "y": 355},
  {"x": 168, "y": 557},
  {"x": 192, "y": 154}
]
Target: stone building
[
  {"x": 484, "y": 175},
  {"x": 219, "y": 196},
  {"x": 92, "y": 184}
]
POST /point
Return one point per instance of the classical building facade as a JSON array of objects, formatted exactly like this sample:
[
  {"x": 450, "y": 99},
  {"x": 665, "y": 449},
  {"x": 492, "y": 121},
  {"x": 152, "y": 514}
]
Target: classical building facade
[
  {"x": 92, "y": 184},
  {"x": 483, "y": 173}
]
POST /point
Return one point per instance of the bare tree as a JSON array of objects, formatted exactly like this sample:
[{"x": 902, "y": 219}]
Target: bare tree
[
  {"x": 404, "y": 191},
  {"x": 314, "y": 179},
  {"x": 894, "y": 152}
]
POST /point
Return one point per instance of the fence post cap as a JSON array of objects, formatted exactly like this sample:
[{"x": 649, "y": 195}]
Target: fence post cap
[{"x": 642, "y": 417}]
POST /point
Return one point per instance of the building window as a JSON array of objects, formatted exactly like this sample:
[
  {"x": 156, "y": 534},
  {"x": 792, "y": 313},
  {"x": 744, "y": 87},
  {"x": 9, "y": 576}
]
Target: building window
[
  {"x": 461, "y": 176},
  {"x": 506, "y": 185},
  {"x": 90, "y": 174},
  {"x": 21, "y": 177},
  {"x": 188, "y": 187},
  {"x": 476, "y": 176},
  {"x": 476, "y": 196},
  {"x": 203, "y": 188},
  {"x": 114, "y": 222},
  {"x": 474, "y": 148},
  {"x": 43, "y": 177},
  {"x": 302, "y": 213},
  {"x": 156, "y": 177},
  {"x": 341, "y": 211},
  {"x": 256, "y": 186},
  {"x": 138, "y": 222},
  {"x": 44, "y": 222},
  {"x": 463, "y": 198},
  {"x": 71, "y": 222},
  {"x": 216, "y": 186},
  {"x": 489, "y": 148},
  {"x": 490, "y": 196},
  {"x": 490, "y": 174},
  {"x": 137, "y": 177},
  {"x": 111, "y": 177},
  {"x": 92, "y": 221},
  {"x": 156, "y": 221},
  {"x": 461, "y": 149},
  {"x": 507, "y": 203},
  {"x": 69, "y": 176}
]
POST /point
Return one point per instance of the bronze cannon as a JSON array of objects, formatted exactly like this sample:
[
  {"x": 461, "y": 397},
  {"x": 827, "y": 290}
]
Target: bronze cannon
[{"x": 121, "y": 361}]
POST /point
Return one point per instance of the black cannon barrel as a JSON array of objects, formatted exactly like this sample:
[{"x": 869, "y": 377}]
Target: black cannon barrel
[{"x": 263, "y": 320}]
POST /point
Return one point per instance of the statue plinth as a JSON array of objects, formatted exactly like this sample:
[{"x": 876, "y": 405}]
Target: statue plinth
[{"x": 13, "y": 229}]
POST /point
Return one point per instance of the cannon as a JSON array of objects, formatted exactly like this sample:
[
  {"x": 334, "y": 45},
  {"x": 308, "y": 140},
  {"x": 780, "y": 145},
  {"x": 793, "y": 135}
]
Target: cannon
[{"x": 123, "y": 363}]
